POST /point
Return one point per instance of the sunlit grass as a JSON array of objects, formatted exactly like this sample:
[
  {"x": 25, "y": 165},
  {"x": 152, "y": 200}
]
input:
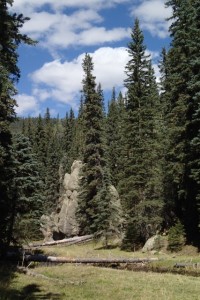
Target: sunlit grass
[
  {"x": 86, "y": 282},
  {"x": 69, "y": 281}
]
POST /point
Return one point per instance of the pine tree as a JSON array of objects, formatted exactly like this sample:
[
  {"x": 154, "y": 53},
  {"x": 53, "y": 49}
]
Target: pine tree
[
  {"x": 113, "y": 137},
  {"x": 69, "y": 142},
  {"x": 48, "y": 128},
  {"x": 122, "y": 114},
  {"x": 79, "y": 132},
  {"x": 94, "y": 164},
  {"x": 28, "y": 187},
  {"x": 165, "y": 107},
  {"x": 10, "y": 39},
  {"x": 183, "y": 108},
  {"x": 40, "y": 144},
  {"x": 29, "y": 132},
  {"x": 52, "y": 182},
  {"x": 194, "y": 129},
  {"x": 139, "y": 189}
]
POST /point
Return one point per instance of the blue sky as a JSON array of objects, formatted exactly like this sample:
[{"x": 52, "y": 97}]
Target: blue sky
[{"x": 51, "y": 72}]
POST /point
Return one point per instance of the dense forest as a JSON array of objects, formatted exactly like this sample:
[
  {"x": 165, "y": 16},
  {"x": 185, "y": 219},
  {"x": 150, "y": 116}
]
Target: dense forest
[{"x": 146, "y": 143}]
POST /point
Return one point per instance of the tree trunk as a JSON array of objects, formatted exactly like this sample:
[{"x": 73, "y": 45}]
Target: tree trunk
[
  {"x": 44, "y": 258},
  {"x": 74, "y": 240}
]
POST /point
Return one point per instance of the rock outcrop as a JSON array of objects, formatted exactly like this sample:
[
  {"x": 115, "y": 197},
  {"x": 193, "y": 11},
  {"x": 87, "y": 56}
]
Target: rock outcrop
[{"x": 62, "y": 223}]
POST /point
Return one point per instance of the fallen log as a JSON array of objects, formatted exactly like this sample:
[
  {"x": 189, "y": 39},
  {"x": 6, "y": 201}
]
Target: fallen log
[
  {"x": 185, "y": 265},
  {"x": 74, "y": 240},
  {"x": 54, "y": 259}
]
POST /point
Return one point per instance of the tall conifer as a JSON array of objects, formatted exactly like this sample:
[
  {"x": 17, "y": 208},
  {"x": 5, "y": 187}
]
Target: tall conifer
[
  {"x": 140, "y": 187},
  {"x": 93, "y": 171},
  {"x": 10, "y": 39},
  {"x": 182, "y": 127}
]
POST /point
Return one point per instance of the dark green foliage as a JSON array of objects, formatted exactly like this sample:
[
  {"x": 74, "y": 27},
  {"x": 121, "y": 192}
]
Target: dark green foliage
[
  {"x": 40, "y": 143},
  {"x": 176, "y": 237},
  {"x": 52, "y": 177},
  {"x": 132, "y": 239},
  {"x": 69, "y": 140},
  {"x": 113, "y": 126},
  {"x": 10, "y": 39},
  {"x": 182, "y": 116},
  {"x": 79, "y": 140},
  {"x": 93, "y": 170},
  {"x": 194, "y": 128},
  {"x": 165, "y": 107},
  {"x": 141, "y": 185},
  {"x": 28, "y": 186}
]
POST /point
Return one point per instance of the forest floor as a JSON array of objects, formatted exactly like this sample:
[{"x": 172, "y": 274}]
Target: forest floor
[{"x": 78, "y": 281}]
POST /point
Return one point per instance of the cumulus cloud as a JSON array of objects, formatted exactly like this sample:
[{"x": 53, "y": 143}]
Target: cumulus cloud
[
  {"x": 62, "y": 81},
  {"x": 27, "y": 5},
  {"x": 60, "y": 24},
  {"x": 152, "y": 15},
  {"x": 92, "y": 36},
  {"x": 26, "y": 105}
]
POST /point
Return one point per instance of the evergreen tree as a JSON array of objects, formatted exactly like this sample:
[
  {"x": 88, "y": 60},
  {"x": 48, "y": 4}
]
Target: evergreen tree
[
  {"x": 182, "y": 127},
  {"x": 10, "y": 39},
  {"x": 122, "y": 114},
  {"x": 79, "y": 132},
  {"x": 140, "y": 187},
  {"x": 194, "y": 128},
  {"x": 113, "y": 137},
  {"x": 101, "y": 97},
  {"x": 52, "y": 182},
  {"x": 48, "y": 128},
  {"x": 30, "y": 130},
  {"x": 70, "y": 153},
  {"x": 165, "y": 107},
  {"x": 94, "y": 164},
  {"x": 27, "y": 187},
  {"x": 40, "y": 144}
]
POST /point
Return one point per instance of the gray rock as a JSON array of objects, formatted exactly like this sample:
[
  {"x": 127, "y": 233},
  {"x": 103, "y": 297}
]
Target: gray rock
[
  {"x": 151, "y": 244},
  {"x": 63, "y": 223}
]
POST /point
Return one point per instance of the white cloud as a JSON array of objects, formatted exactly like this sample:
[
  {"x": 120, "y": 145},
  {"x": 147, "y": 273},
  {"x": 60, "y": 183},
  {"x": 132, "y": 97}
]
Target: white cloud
[
  {"x": 152, "y": 15},
  {"x": 62, "y": 81},
  {"x": 59, "y": 30},
  {"x": 56, "y": 27},
  {"x": 99, "y": 35},
  {"x": 26, "y": 105},
  {"x": 47, "y": 21},
  {"x": 28, "y": 6},
  {"x": 59, "y": 81},
  {"x": 62, "y": 38},
  {"x": 109, "y": 66}
]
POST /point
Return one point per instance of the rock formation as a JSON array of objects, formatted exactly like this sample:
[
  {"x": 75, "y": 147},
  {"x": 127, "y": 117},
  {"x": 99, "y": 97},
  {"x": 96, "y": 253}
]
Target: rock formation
[{"x": 63, "y": 223}]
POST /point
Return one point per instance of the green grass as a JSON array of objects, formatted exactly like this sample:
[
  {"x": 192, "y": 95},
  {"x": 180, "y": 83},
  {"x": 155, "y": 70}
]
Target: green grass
[
  {"x": 85, "y": 282},
  {"x": 73, "y": 282}
]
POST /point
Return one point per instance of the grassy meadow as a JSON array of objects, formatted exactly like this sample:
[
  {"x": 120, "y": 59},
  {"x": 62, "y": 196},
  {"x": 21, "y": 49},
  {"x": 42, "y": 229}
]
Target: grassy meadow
[{"x": 69, "y": 281}]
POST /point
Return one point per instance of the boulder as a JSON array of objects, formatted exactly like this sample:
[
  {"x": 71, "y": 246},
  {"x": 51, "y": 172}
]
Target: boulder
[{"x": 152, "y": 243}]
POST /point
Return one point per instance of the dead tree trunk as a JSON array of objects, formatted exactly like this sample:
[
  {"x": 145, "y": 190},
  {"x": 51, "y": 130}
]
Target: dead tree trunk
[
  {"x": 74, "y": 240},
  {"x": 44, "y": 258}
]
